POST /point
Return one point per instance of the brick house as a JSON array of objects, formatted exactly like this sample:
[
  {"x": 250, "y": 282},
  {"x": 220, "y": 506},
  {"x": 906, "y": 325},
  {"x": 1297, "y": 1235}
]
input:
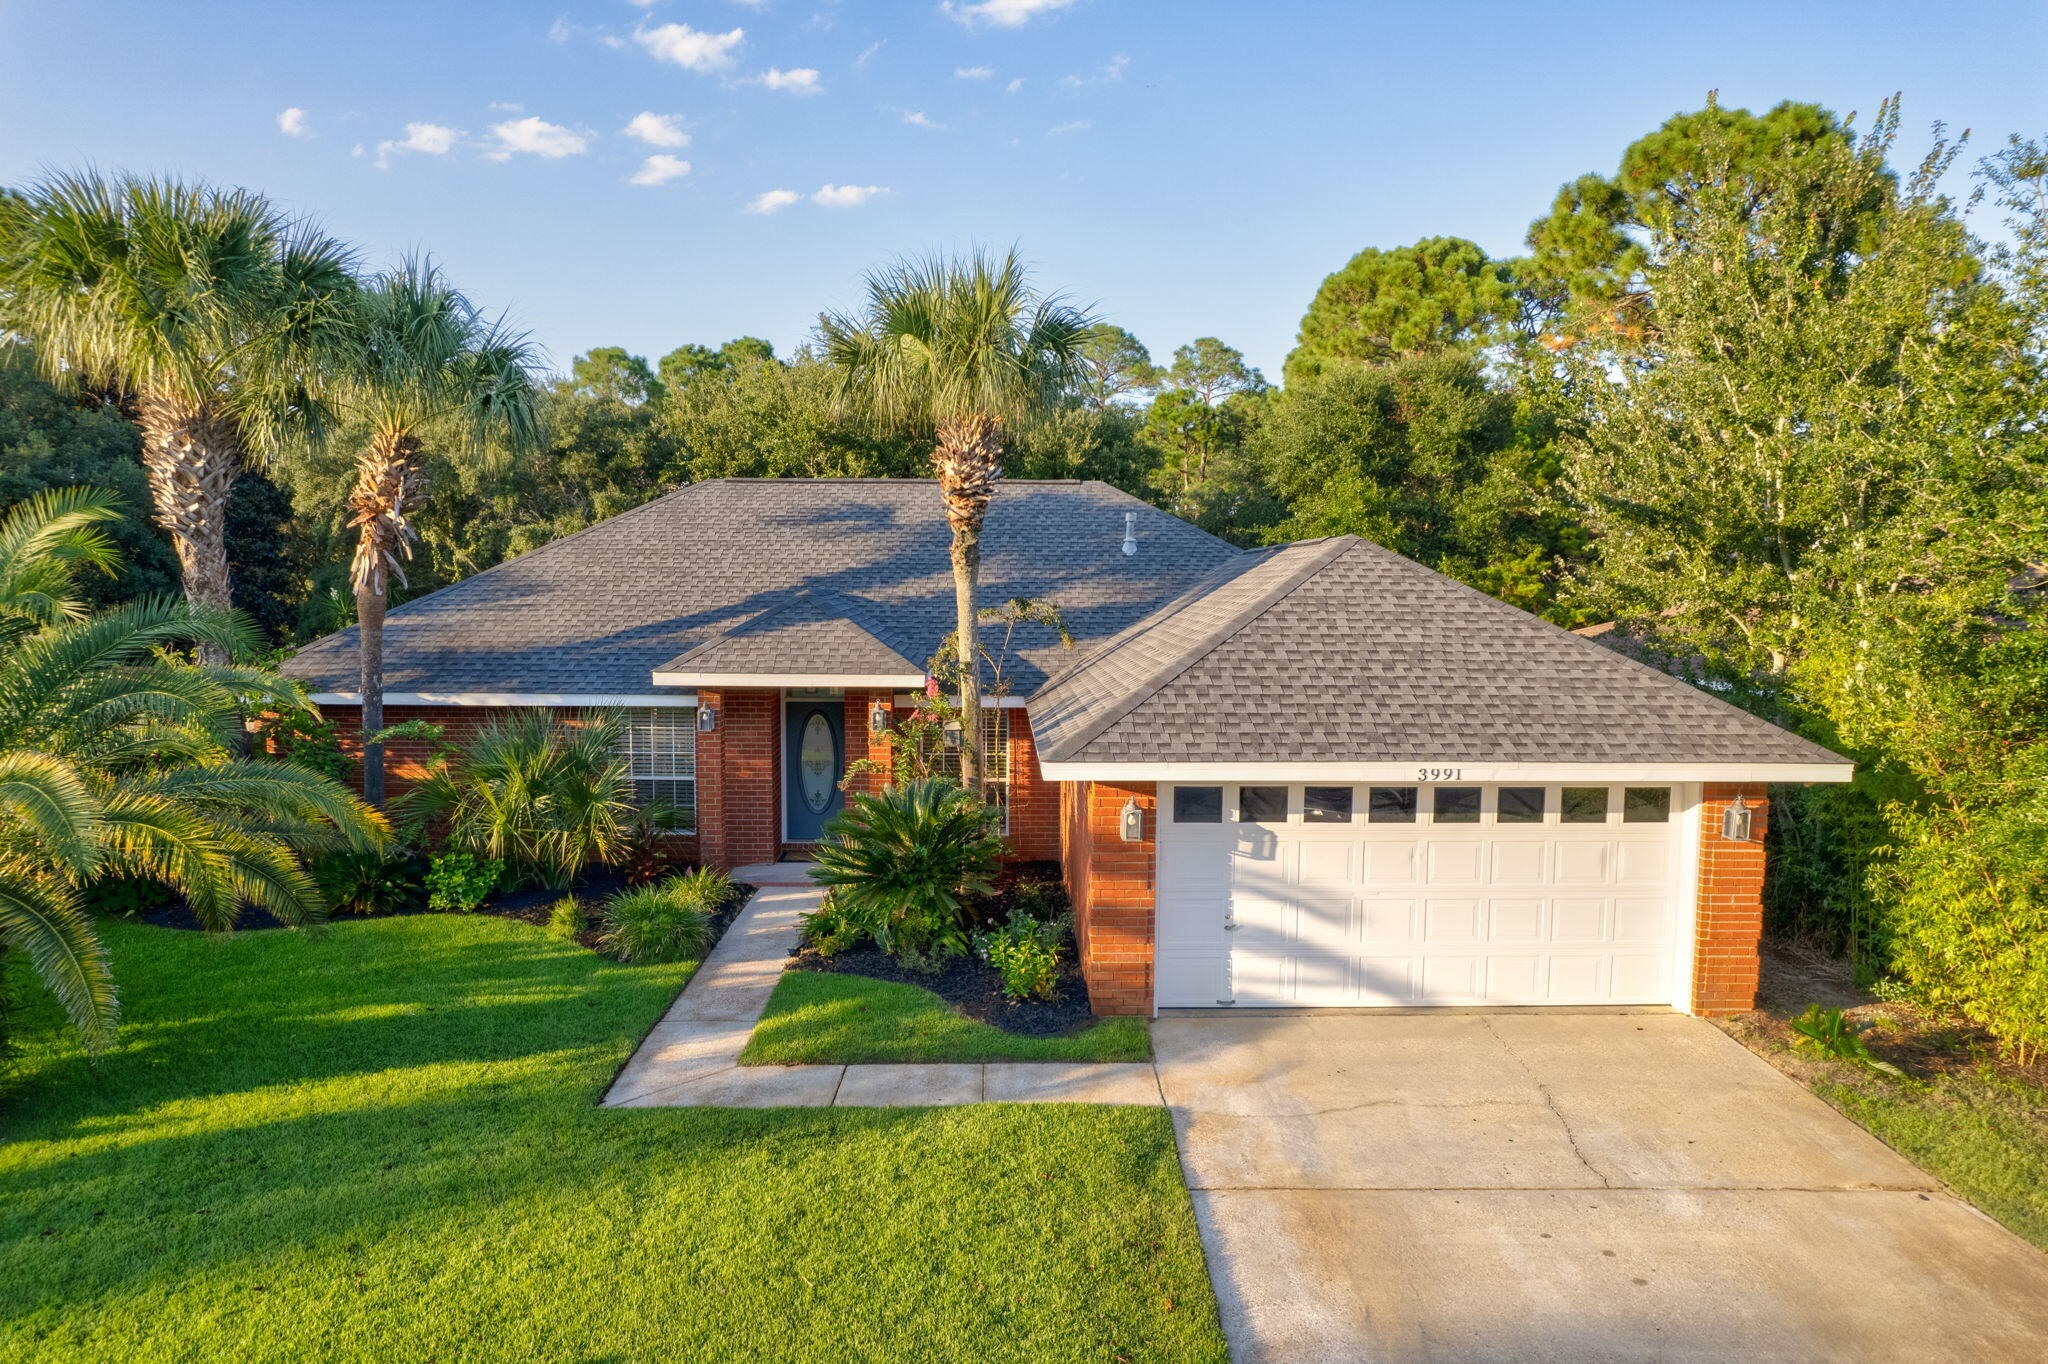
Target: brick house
[{"x": 1313, "y": 775}]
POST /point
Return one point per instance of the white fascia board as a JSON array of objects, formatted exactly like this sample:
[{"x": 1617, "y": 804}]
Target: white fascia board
[
  {"x": 909, "y": 699},
  {"x": 1446, "y": 774},
  {"x": 766, "y": 680},
  {"x": 506, "y": 698}
]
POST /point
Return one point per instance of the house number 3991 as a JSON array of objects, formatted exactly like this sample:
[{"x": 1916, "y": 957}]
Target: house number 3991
[{"x": 1439, "y": 773}]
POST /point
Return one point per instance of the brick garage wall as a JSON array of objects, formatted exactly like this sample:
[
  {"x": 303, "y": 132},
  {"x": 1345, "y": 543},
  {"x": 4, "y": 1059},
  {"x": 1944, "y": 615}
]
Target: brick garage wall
[
  {"x": 1113, "y": 887},
  {"x": 1731, "y": 905},
  {"x": 1034, "y": 801},
  {"x": 739, "y": 778},
  {"x": 405, "y": 760}
]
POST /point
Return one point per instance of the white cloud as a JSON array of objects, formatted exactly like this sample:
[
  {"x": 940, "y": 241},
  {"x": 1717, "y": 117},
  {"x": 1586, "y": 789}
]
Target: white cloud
[
  {"x": 536, "y": 137},
  {"x": 658, "y": 130},
  {"x": 919, "y": 120},
  {"x": 428, "y": 139},
  {"x": 772, "y": 200},
  {"x": 1079, "y": 125},
  {"x": 870, "y": 50},
  {"x": 1111, "y": 70},
  {"x": 690, "y": 49},
  {"x": 802, "y": 81},
  {"x": 504, "y": 108},
  {"x": 659, "y": 169},
  {"x": 1014, "y": 86},
  {"x": 847, "y": 196},
  {"x": 973, "y": 73},
  {"x": 292, "y": 123},
  {"x": 1000, "y": 13}
]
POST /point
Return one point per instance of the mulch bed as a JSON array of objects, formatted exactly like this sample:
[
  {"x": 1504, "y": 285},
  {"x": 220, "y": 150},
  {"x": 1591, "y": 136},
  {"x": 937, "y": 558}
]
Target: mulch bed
[
  {"x": 527, "y": 904},
  {"x": 970, "y": 985}
]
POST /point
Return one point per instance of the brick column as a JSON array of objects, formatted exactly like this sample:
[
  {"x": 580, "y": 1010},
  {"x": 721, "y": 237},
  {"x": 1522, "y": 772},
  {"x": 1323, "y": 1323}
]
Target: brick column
[
  {"x": 1116, "y": 884},
  {"x": 739, "y": 788},
  {"x": 1731, "y": 904},
  {"x": 1034, "y": 801},
  {"x": 862, "y": 744}
]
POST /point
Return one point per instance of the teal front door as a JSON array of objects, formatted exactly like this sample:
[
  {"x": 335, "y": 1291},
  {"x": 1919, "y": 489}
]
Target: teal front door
[{"x": 814, "y": 760}]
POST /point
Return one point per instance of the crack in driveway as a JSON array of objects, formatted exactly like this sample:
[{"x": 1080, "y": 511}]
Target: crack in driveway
[{"x": 1550, "y": 1101}]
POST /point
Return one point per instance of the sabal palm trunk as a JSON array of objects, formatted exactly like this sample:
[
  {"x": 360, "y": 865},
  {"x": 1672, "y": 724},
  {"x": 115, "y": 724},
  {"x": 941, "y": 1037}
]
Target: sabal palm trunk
[
  {"x": 191, "y": 453},
  {"x": 387, "y": 484},
  {"x": 968, "y": 460}
]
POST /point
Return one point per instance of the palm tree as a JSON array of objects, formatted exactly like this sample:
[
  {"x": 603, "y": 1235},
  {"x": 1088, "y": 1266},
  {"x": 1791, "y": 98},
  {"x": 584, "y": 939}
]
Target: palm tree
[
  {"x": 421, "y": 359},
  {"x": 116, "y": 760},
  {"x": 44, "y": 541},
  {"x": 206, "y": 306},
  {"x": 958, "y": 349}
]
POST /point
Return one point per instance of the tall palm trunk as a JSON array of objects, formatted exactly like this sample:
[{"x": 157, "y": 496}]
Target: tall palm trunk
[
  {"x": 191, "y": 454},
  {"x": 387, "y": 484},
  {"x": 968, "y": 460}
]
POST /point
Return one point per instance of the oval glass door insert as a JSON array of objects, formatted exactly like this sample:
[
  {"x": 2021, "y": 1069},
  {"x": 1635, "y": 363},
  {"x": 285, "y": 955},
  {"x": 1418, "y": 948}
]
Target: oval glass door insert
[{"x": 815, "y": 757}]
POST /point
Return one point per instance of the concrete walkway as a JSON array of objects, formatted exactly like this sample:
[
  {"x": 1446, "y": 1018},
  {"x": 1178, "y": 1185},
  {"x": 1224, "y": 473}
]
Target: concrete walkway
[
  {"x": 1558, "y": 1186},
  {"x": 691, "y": 1057}
]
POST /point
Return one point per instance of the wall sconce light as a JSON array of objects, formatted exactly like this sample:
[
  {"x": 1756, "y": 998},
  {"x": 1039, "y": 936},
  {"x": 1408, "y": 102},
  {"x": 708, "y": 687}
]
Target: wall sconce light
[
  {"x": 952, "y": 733},
  {"x": 707, "y": 719},
  {"x": 1735, "y": 821},
  {"x": 1132, "y": 823},
  {"x": 878, "y": 718}
]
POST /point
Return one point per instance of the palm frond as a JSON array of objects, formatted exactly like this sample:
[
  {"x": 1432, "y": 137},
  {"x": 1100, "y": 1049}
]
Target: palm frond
[{"x": 40, "y": 916}]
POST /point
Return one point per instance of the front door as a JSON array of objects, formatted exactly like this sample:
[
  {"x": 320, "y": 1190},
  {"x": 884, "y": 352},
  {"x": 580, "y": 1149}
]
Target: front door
[{"x": 814, "y": 760}]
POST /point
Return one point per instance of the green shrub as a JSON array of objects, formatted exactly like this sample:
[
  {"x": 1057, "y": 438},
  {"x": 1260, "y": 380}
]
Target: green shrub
[
  {"x": 667, "y": 921},
  {"x": 1026, "y": 955},
  {"x": 641, "y": 854},
  {"x": 1041, "y": 901},
  {"x": 1830, "y": 1032},
  {"x": 902, "y": 865},
  {"x": 567, "y": 919},
  {"x": 458, "y": 882},
  {"x": 371, "y": 881},
  {"x": 829, "y": 930},
  {"x": 543, "y": 796}
]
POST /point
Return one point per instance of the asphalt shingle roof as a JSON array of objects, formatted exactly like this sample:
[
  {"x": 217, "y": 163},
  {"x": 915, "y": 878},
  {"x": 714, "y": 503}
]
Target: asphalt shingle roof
[
  {"x": 1339, "y": 650},
  {"x": 599, "y": 611}
]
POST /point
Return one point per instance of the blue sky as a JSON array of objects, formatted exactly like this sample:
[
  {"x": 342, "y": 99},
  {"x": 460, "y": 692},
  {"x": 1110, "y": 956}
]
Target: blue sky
[{"x": 1192, "y": 168}]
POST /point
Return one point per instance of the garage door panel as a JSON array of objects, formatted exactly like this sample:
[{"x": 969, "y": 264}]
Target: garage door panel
[
  {"x": 1381, "y": 920},
  {"x": 1449, "y": 980},
  {"x": 1640, "y": 919},
  {"x": 1387, "y": 980},
  {"x": 1446, "y": 920},
  {"x": 1637, "y": 976},
  {"x": 1576, "y": 977},
  {"x": 1460, "y": 863},
  {"x": 1518, "y": 862},
  {"x": 1514, "y": 979},
  {"x": 1392, "y": 862},
  {"x": 1514, "y": 920},
  {"x": 1582, "y": 864},
  {"x": 1193, "y": 979},
  {"x": 1643, "y": 864},
  {"x": 1321, "y": 865},
  {"x": 1574, "y": 920}
]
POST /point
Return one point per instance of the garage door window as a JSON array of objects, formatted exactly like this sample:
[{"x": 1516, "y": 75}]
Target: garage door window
[
  {"x": 1197, "y": 805},
  {"x": 1457, "y": 805},
  {"x": 1646, "y": 805},
  {"x": 1392, "y": 805},
  {"x": 1584, "y": 805},
  {"x": 1326, "y": 804},
  {"x": 1521, "y": 805},
  {"x": 1262, "y": 804}
]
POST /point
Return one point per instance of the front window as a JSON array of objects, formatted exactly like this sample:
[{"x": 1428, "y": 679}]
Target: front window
[
  {"x": 660, "y": 749},
  {"x": 995, "y": 759}
]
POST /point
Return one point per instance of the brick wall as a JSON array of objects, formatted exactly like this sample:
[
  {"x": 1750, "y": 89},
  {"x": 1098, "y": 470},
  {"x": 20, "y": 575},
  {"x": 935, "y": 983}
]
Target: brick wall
[
  {"x": 1034, "y": 801},
  {"x": 739, "y": 778},
  {"x": 1113, "y": 887},
  {"x": 1731, "y": 907}
]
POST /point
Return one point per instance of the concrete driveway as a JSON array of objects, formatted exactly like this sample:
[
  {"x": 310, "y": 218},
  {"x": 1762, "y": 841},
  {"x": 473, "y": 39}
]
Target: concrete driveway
[{"x": 1565, "y": 1186}]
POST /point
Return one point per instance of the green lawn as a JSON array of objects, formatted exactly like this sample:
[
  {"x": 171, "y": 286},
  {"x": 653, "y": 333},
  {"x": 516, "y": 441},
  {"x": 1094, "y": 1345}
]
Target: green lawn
[
  {"x": 821, "y": 1016},
  {"x": 379, "y": 1143},
  {"x": 1984, "y": 1136}
]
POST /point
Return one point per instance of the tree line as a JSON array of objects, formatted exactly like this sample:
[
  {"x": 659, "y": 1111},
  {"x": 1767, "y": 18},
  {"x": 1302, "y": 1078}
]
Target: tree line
[{"x": 1765, "y": 396}]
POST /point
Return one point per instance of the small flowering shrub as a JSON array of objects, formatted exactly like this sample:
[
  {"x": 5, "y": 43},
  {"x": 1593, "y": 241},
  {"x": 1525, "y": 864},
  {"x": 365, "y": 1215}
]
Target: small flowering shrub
[{"x": 458, "y": 882}]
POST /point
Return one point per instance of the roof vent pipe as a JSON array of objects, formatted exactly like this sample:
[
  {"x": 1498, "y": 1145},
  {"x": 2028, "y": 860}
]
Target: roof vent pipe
[{"x": 1130, "y": 533}]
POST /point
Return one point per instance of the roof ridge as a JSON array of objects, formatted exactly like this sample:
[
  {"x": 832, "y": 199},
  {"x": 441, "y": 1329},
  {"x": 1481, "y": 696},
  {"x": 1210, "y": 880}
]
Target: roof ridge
[{"x": 1332, "y": 548}]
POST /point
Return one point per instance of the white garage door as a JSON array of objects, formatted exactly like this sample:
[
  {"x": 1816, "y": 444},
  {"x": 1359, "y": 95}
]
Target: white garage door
[{"x": 1344, "y": 896}]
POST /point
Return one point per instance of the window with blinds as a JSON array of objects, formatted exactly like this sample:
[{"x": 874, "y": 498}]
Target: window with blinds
[
  {"x": 660, "y": 748},
  {"x": 995, "y": 758}
]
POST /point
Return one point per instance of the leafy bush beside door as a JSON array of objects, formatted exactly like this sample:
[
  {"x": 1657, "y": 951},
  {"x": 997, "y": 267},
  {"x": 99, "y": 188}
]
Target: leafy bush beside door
[{"x": 902, "y": 864}]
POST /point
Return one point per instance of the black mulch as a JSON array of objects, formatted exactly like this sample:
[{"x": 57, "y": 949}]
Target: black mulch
[
  {"x": 970, "y": 985},
  {"x": 973, "y": 989},
  {"x": 528, "y": 904}
]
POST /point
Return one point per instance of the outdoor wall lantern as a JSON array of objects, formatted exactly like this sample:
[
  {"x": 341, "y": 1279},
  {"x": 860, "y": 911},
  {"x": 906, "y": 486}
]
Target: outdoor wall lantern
[
  {"x": 707, "y": 719},
  {"x": 1735, "y": 821},
  {"x": 878, "y": 718},
  {"x": 1132, "y": 825},
  {"x": 952, "y": 733}
]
